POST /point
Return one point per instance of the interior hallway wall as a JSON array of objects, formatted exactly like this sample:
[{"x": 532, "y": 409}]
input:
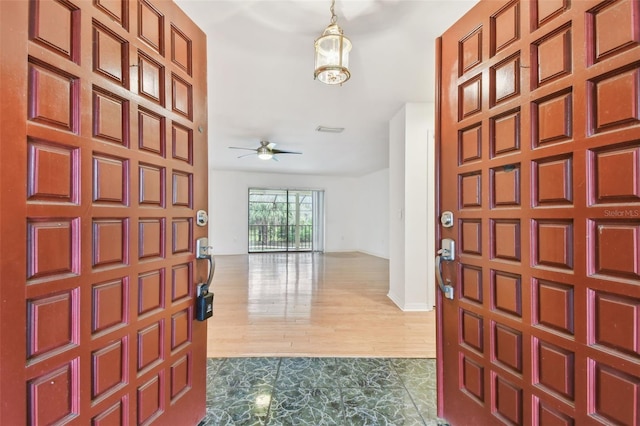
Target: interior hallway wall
[{"x": 411, "y": 207}]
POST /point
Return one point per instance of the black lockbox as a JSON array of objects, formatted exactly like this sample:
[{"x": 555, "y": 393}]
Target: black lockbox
[{"x": 204, "y": 305}]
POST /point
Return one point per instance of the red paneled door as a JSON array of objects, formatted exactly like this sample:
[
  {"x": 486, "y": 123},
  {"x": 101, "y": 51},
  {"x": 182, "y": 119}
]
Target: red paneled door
[
  {"x": 103, "y": 166},
  {"x": 540, "y": 165}
]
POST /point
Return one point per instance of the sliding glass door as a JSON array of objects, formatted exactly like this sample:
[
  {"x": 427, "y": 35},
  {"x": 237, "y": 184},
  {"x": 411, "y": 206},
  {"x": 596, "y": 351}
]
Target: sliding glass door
[{"x": 285, "y": 220}]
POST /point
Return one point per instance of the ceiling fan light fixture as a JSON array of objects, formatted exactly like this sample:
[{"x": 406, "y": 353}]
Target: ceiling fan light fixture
[
  {"x": 332, "y": 54},
  {"x": 264, "y": 153}
]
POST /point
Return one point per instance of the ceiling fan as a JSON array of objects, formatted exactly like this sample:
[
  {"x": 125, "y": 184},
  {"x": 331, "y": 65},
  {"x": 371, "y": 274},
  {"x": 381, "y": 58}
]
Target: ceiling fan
[{"x": 265, "y": 151}]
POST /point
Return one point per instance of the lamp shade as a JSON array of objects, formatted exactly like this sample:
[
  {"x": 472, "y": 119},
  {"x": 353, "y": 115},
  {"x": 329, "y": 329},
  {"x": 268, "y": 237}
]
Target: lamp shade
[{"x": 332, "y": 56}]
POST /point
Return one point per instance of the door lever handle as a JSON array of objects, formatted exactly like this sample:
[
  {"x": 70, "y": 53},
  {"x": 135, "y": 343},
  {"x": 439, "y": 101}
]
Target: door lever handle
[
  {"x": 212, "y": 269},
  {"x": 202, "y": 252},
  {"x": 448, "y": 288},
  {"x": 446, "y": 253}
]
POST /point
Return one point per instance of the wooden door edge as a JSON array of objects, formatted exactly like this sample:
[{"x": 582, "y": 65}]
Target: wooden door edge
[
  {"x": 13, "y": 87},
  {"x": 437, "y": 230}
]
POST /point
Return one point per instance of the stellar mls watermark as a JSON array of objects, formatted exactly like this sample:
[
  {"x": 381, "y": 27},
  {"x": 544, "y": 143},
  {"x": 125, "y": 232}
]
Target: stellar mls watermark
[{"x": 622, "y": 213}]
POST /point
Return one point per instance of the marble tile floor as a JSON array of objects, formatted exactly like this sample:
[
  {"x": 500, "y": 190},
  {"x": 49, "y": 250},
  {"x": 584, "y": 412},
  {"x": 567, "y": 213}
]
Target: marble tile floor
[{"x": 321, "y": 391}]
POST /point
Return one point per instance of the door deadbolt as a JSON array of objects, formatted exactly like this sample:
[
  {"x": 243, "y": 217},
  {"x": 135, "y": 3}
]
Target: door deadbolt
[
  {"x": 447, "y": 219},
  {"x": 201, "y": 218}
]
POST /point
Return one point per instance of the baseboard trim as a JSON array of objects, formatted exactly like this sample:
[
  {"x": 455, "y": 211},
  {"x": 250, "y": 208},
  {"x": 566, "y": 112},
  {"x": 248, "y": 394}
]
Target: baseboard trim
[
  {"x": 409, "y": 307},
  {"x": 417, "y": 307},
  {"x": 395, "y": 300}
]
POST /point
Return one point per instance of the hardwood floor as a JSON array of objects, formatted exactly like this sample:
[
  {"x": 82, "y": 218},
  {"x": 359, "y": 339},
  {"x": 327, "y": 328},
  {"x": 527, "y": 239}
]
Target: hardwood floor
[{"x": 319, "y": 305}]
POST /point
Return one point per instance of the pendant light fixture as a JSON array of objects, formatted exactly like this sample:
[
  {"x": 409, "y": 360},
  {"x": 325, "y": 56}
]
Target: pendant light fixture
[{"x": 332, "y": 53}]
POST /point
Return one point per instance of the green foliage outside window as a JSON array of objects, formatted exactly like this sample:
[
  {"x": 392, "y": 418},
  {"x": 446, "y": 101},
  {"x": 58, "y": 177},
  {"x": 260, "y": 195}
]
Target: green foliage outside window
[{"x": 280, "y": 220}]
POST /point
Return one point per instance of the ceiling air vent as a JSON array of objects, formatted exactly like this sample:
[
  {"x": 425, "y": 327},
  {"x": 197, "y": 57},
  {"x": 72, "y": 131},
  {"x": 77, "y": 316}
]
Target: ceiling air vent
[{"x": 329, "y": 129}]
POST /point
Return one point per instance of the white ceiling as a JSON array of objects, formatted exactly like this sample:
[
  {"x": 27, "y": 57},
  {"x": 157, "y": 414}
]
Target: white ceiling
[{"x": 261, "y": 86}]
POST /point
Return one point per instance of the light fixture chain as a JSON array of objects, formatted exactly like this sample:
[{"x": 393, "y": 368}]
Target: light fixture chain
[{"x": 334, "y": 18}]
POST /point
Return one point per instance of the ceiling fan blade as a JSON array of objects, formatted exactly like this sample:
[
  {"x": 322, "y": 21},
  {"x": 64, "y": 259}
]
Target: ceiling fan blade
[
  {"x": 238, "y": 147},
  {"x": 247, "y": 155},
  {"x": 274, "y": 158},
  {"x": 279, "y": 151}
]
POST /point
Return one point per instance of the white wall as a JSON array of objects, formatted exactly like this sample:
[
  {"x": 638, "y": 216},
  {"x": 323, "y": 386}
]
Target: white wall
[
  {"x": 356, "y": 212},
  {"x": 397, "y": 129},
  {"x": 411, "y": 281},
  {"x": 372, "y": 224},
  {"x": 419, "y": 124}
]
